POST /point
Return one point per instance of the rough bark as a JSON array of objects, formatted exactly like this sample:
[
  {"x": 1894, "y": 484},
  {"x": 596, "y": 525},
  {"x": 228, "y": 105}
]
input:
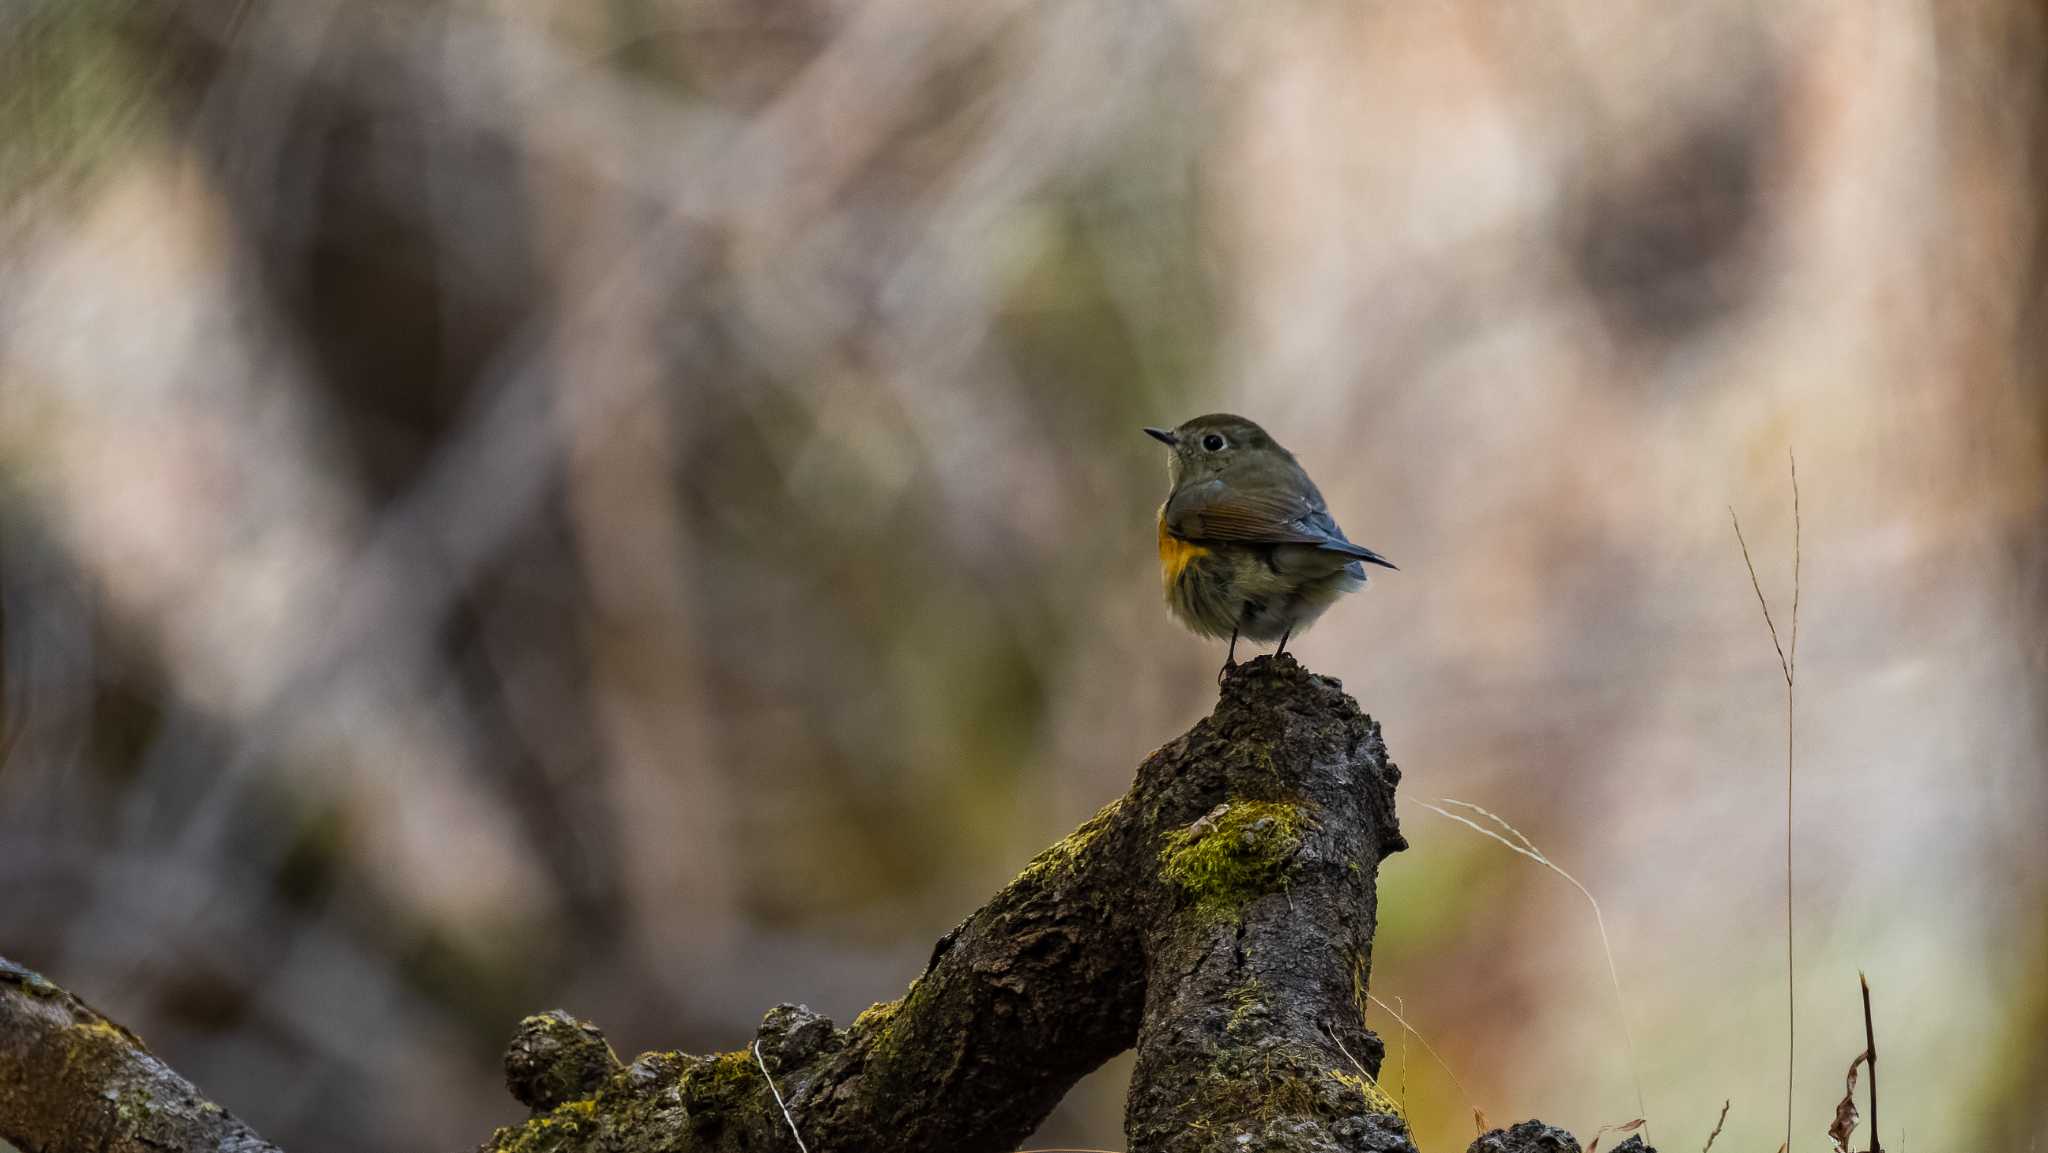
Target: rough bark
[
  {"x": 1536, "y": 1137},
  {"x": 1259, "y": 938},
  {"x": 1219, "y": 917},
  {"x": 72, "y": 1080}
]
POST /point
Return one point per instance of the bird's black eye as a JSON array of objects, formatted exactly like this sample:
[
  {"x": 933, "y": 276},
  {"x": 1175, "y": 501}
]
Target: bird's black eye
[{"x": 1213, "y": 442}]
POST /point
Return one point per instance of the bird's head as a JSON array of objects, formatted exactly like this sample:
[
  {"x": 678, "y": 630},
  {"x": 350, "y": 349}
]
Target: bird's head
[{"x": 1211, "y": 445}]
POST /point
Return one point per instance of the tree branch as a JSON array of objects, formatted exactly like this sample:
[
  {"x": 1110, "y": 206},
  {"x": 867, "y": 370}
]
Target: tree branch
[
  {"x": 72, "y": 1080},
  {"x": 1219, "y": 917}
]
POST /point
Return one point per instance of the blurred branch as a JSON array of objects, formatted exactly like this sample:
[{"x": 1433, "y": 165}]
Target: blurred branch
[{"x": 72, "y": 1080}]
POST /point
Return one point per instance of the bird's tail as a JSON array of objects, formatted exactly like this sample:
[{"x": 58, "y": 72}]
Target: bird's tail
[{"x": 1358, "y": 551}]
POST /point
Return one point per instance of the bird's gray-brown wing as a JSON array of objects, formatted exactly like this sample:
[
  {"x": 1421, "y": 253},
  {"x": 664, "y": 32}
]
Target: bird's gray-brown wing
[{"x": 1213, "y": 510}]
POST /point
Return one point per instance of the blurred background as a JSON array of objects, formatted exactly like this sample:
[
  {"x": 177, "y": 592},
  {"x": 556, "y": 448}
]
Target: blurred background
[{"x": 639, "y": 507}]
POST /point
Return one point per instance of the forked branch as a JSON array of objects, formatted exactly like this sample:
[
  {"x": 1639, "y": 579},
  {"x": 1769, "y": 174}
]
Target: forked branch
[{"x": 1219, "y": 918}]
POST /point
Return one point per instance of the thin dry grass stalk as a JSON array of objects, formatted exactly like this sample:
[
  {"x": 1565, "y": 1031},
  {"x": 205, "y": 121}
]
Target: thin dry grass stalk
[
  {"x": 756, "y": 1046},
  {"x": 1404, "y": 1067},
  {"x": 1478, "y": 1117},
  {"x": 1604, "y": 1130},
  {"x": 1788, "y": 664},
  {"x": 1527, "y": 848}
]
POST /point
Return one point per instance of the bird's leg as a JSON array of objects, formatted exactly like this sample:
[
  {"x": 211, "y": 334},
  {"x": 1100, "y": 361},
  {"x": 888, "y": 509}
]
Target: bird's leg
[
  {"x": 1282, "y": 650},
  {"x": 1229, "y": 662}
]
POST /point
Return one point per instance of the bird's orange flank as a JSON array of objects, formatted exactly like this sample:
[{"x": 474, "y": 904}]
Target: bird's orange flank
[{"x": 1175, "y": 554}]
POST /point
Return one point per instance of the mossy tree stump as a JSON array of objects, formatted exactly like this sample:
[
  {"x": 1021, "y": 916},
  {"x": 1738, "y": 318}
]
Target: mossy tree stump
[{"x": 1219, "y": 917}]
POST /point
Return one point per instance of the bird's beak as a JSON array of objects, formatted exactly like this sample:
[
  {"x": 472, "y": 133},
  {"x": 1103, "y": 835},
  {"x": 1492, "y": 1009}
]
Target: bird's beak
[{"x": 1162, "y": 435}]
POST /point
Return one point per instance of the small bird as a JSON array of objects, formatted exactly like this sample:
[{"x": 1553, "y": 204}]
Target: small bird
[{"x": 1246, "y": 545}]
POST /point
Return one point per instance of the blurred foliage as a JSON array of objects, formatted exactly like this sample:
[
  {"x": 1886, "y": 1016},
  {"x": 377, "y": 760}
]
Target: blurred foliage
[
  {"x": 75, "y": 88},
  {"x": 639, "y": 507}
]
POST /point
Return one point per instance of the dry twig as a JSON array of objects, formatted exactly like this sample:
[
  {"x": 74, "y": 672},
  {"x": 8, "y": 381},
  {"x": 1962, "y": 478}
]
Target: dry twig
[
  {"x": 1788, "y": 664},
  {"x": 1870, "y": 1051},
  {"x": 1718, "y": 1122}
]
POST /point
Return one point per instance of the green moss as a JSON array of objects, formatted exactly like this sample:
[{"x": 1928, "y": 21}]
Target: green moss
[
  {"x": 1239, "y": 851},
  {"x": 104, "y": 1030},
  {"x": 555, "y": 1058},
  {"x": 886, "y": 1035},
  {"x": 95, "y": 1041},
  {"x": 718, "y": 1090},
  {"x": 645, "y": 1097},
  {"x": 135, "y": 1107},
  {"x": 721, "y": 1079},
  {"x": 1265, "y": 1081},
  {"x": 877, "y": 1016},
  {"x": 664, "y": 1059},
  {"x": 661, "y": 1092},
  {"x": 1262, "y": 1083},
  {"x": 1059, "y": 858},
  {"x": 1248, "y": 1010},
  {"x": 1277, "y": 1094},
  {"x": 1376, "y": 1099},
  {"x": 1247, "y": 1084},
  {"x": 565, "y": 1128}
]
